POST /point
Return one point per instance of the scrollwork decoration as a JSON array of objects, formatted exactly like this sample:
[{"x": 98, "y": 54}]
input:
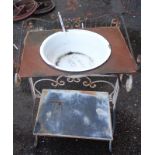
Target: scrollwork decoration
[{"x": 86, "y": 82}]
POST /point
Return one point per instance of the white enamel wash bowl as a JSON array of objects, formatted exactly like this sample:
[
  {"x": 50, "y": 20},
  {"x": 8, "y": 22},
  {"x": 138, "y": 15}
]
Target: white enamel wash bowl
[{"x": 75, "y": 50}]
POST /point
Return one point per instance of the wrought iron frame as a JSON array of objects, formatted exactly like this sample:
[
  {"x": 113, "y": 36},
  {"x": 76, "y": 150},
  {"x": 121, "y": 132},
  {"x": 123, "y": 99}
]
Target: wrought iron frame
[{"x": 88, "y": 82}]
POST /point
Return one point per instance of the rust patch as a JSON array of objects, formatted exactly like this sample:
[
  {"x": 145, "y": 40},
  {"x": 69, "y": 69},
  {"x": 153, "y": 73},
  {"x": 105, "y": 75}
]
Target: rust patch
[
  {"x": 57, "y": 101},
  {"x": 72, "y": 5},
  {"x": 88, "y": 92}
]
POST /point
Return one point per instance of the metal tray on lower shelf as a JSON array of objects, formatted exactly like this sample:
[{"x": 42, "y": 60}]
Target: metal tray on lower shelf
[{"x": 74, "y": 114}]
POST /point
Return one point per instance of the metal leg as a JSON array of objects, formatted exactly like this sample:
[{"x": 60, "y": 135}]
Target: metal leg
[
  {"x": 35, "y": 141},
  {"x": 34, "y": 101},
  {"x": 32, "y": 89},
  {"x": 17, "y": 80},
  {"x": 113, "y": 126},
  {"x": 113, "y": 119},
  {"x": 129, "y": 83},
  {"x": 110, "y": 146},
  {"x": 114, "y": 99}
]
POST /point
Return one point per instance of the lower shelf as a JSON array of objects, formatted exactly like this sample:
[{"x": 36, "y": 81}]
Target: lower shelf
[{"x": 74, "y": 114}]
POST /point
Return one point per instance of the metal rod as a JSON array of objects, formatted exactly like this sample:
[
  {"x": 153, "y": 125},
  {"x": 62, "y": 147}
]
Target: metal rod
[
  {"x": 127, "y": 35},
  {"x": 61, "y": 22},
  {"x": 113, "y": 118},
  {"x": 110, "y": 146},
  {"x": 114, "y": 100},
  {"x": 20, "y": 46},
  {"x": 14, "y": 45},
  {"x": 32, "y": 89},
  {"x": 82, "y": 25}
]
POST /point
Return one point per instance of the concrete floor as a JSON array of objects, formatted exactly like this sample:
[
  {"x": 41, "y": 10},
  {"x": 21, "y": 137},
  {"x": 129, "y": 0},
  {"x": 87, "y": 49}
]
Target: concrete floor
[{"x": 127, "y": 137}]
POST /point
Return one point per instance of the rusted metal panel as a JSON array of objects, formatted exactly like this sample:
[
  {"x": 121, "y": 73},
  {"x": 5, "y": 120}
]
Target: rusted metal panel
[
  {"x": 71, "y": 113},
  {"x": 120, "y": 61}
]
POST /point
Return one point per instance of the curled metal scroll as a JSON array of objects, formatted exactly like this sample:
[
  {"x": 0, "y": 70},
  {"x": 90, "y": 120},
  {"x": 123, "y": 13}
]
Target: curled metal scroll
[
  {"x": 54, "y": 83},
  {"x": 72, "y": 79}
]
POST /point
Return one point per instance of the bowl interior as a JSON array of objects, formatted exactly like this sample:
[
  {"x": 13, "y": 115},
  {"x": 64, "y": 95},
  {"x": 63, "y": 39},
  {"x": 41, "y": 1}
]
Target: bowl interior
[{"x": 75, "y": 50}]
